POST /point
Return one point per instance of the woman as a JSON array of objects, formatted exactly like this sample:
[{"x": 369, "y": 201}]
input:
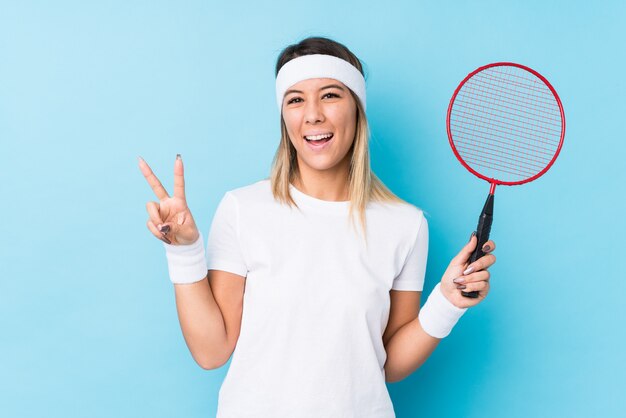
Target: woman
[{"x": 331, "y": 309}]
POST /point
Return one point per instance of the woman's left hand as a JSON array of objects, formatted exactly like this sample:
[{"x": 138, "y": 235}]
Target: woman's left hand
[{"x": 474, "y": 276}]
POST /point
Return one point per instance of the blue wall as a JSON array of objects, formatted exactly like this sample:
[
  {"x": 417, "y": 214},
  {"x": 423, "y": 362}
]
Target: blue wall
[{"x": 88, "y": 325}]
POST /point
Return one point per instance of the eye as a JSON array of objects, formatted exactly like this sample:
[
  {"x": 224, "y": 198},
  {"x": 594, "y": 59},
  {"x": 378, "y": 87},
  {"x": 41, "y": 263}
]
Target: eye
[
  {"x": 293, "y": 100},
  {"x": 331, "y": 95}
]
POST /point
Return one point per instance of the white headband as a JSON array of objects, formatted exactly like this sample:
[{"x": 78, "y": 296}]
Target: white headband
[{"x": 319, "y": 66}]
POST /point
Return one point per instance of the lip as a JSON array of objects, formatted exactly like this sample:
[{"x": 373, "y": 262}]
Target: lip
[{"x": 318, "y": 148}]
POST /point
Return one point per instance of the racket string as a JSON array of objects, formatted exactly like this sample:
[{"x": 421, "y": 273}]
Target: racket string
[
  {"x": 544, "y": 99},
  {"x": 503, "y": 124},
  {"x": 512, "y": 152},
  {"x": 497, "y": 106},
  {"x": 514, "y": 111},
  {"x": 522, "y": 144},
  {"x": 506, "y": 122}
]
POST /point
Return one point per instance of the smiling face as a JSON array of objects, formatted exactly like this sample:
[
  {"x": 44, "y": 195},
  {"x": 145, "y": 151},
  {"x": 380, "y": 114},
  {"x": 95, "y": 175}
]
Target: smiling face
[{"x": 320, "y": 116}]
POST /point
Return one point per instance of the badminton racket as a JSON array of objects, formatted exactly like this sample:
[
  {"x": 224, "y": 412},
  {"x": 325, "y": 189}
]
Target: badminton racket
[{"x": 506, "y": 125}]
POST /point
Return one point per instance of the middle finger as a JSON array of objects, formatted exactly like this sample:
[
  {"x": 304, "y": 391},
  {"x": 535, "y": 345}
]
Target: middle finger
[{"x": 482, "y": 263}]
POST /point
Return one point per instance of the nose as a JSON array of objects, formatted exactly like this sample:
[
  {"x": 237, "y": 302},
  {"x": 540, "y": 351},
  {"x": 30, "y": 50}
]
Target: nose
[{"x": 313, "y": 112}]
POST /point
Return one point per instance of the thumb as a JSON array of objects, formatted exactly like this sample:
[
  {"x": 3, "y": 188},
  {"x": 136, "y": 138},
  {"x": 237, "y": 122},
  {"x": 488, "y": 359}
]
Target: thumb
[{"x": 465, "y": 253}]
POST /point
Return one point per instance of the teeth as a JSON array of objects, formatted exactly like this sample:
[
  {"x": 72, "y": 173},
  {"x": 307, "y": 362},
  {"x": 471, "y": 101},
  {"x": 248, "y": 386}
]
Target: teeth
[{"x": 318, "y": 137}]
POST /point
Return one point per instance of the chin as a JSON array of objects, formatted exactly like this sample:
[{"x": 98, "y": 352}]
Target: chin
[{"x": 322, "y": 165}]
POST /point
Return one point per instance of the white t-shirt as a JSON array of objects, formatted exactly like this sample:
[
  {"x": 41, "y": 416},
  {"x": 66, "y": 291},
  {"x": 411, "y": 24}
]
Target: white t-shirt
[{"x": 316, "y": 301}]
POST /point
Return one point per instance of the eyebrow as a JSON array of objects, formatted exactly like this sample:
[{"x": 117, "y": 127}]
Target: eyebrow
[{"x": 330, "y": 86}]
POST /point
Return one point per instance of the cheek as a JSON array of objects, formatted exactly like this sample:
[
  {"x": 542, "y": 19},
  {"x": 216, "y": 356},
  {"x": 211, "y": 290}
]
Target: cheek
[
  {"x": 349, "y": 124},
  {"x": 346, "y": 119},
  {"x": 290, "y": 126}
]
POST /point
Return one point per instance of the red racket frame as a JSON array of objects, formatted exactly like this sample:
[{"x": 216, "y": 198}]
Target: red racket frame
[{"x": 493, "y": 181}]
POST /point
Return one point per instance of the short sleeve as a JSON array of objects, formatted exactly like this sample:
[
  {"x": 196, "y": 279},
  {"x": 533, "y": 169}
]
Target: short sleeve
[
  {"x": 223, "y": 250},
  {"x": 412, "y": 275}
]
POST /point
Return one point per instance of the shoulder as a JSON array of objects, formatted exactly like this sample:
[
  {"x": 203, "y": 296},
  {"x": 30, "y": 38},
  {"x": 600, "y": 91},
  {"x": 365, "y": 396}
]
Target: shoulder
[
  {"x": 398, "y": 212},
  {"x": 260, "y": 190},
  {"x": 251, "y": 198},
  {"x": 402, "y": 221}
]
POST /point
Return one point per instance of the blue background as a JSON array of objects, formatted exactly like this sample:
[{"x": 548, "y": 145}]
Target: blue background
[{"x": 88, "y": 325}]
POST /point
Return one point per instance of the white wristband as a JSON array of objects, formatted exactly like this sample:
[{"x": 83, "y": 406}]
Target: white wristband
[
  {"x": 438, "y": 315},
  {"x": 186, "y": 263}
]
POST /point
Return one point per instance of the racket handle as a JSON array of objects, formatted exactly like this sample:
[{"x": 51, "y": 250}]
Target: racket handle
[{"x": 482, "y": 234}]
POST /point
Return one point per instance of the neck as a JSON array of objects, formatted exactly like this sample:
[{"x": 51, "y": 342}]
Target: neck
[{"x": 331, "y": 185}]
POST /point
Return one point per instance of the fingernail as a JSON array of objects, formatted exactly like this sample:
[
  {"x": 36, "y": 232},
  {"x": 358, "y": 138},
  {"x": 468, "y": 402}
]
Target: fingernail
[
  {"x": 140, "y": 159},
  {"x": 486, "y": 248},
  {"x": 461, "y": 287},
  {"x": 178, "y": 157},
  {"x": 165, "y": 229},
  {"x": 165, "y": 239},
  {"x": 459, "y": 280},
  {"x": 470, "y": 238},
  {"x": 468, "y": 270}
]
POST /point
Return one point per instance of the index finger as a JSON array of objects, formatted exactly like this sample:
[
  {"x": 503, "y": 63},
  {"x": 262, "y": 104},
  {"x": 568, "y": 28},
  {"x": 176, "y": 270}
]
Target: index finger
[
  {"x": 491, "y": 245},
  {"x": 154, "y": 182}
]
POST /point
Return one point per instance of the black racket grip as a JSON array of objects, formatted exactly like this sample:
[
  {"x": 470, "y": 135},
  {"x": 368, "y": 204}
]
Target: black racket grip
[{"x": 482, "y": 234}]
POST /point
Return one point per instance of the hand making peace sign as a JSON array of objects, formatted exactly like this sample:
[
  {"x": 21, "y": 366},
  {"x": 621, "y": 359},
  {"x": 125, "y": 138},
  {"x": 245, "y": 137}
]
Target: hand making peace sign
[{"x": 170, "y": 219}]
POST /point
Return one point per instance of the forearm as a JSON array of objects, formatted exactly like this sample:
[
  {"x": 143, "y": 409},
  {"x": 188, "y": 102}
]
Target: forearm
[
  {"x": 407, "y": 350},
  {"x": 202, "y": 323}
]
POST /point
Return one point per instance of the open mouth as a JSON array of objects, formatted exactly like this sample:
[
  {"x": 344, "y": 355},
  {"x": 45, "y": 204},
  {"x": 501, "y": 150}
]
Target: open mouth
[{"x": 318, "y": 139}]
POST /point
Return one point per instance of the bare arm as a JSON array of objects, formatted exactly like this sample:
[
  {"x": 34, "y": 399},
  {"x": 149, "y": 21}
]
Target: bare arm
[
  {"x": 209, "y": 312},
  {"x": 407, "y": 350},
  {"x": 407, "y": 345}
]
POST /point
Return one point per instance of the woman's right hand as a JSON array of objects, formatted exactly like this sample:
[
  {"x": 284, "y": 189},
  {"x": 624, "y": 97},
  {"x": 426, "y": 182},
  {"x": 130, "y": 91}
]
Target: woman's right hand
[{"x": 170, "y": 219}]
